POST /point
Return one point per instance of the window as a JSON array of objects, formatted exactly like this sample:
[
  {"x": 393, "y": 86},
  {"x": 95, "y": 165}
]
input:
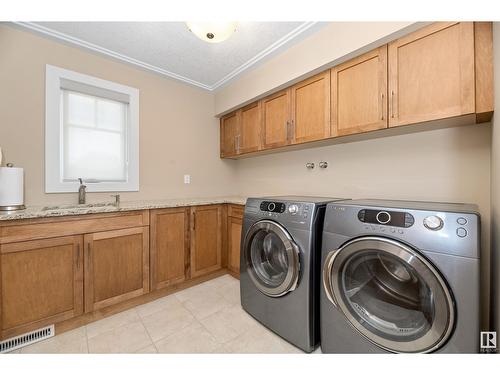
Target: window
[{"x": 92, "y": 132}]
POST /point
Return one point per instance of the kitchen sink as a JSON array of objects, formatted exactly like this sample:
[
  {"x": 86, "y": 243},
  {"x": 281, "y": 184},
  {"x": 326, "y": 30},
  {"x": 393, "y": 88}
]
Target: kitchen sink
[{"x": 78, "y": 206}]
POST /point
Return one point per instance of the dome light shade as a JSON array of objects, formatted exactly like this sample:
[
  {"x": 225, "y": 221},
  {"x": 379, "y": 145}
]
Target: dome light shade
[{"x": 212, "y": 32}]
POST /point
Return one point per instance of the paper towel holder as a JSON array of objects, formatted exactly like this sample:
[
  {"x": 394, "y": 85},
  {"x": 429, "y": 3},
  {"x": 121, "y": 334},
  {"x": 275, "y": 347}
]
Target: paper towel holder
[{"x": 12, "y": 207}]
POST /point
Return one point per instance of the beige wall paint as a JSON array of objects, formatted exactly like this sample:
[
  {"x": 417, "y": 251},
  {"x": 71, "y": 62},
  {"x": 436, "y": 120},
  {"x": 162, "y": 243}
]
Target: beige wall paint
[
  {"x": 447, "y": 165},
  {"x": 495, "y": 186},
  {"x": 178, "y": 133},
  {"x": 334, "y": 43}
]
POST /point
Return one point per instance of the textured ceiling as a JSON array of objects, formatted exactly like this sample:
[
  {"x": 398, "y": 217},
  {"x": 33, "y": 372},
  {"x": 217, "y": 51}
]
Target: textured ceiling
[{"x": 169, "y": 48}]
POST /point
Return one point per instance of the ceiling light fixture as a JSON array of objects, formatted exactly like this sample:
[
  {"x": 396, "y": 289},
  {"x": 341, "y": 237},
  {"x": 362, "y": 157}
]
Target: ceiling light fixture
[{"x": 212, "y": 32}]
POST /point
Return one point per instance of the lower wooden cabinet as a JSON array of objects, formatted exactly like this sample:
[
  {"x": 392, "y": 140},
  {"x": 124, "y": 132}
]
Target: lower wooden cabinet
[
  {"x": 52, "y": 280},
  {"x": 116, "y": 266},
  {"x": 169, "y": 251},
  {"x": 42, "y": 283},
  {"x": 233, "y": 244},
  {"x": 206, "y": 239}
]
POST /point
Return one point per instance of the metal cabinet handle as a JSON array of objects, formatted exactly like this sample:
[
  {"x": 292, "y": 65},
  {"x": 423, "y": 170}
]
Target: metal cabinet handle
[
  {"x": 194, "y": 220},
  {"x": 327, "y": 270},
  {"x": 292, "y": 130},
  {"x": 392, "y": 103},
  {"x": 287, "y": 128},
  {"x": 382, "y": 108},
  {"x": 237, "y": 141}
]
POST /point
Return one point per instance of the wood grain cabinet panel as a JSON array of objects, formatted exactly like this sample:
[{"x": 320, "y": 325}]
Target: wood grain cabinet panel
[
  {"x": 276, "y": 120},
  {"x": 41, "y": 283},
  {"x": 206, "y": 239},
  {"x": 431, "y": 74},
  {"x": 249, "y": 138},
  {"x": 229, "y": 128},
  {"x": 234, "y": 239},
  {"x": 169, "y": 246},
  {"x": 116, "y": 266},
  {"x": 359, "y": 94},
  {"x": 311, "y": 109}
]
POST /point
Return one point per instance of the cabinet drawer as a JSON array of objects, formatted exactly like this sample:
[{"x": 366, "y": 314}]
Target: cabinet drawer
[{"x": 33, "y": 229}]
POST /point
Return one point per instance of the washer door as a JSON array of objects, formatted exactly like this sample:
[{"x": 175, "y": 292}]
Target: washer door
[
  {"x": 272, "y": 258},
  {"x": 391, "y": 294}
]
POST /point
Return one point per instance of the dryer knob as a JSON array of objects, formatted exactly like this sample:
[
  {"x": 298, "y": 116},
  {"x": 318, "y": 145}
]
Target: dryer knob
[
  {"x": 433, "y": 222},
  {"x": 293, "y": 208}
]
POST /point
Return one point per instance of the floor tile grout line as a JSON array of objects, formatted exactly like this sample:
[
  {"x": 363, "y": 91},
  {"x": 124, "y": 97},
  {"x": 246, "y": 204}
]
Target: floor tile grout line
[{"x": 147, "y": 332}]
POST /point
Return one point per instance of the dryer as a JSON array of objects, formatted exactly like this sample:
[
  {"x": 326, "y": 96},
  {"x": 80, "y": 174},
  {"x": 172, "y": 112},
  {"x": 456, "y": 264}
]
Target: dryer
[
  {"x": 400, "y": 277},
  {"x": 280, "y": 265}
]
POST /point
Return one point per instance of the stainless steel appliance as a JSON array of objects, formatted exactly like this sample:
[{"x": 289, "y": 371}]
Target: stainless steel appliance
[
  {"x": 400, "y": 277},
  {"x": 280, "y": 270}
]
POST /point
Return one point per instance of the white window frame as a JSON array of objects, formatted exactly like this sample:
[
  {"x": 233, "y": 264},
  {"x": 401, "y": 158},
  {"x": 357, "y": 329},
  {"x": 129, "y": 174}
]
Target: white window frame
[{"x": 57, "y": 79}]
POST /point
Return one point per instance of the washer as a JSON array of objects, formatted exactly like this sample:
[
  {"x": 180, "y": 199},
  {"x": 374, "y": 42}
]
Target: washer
[
  {"x": 280, "y": 269},
  {"x": 400, "y": 277}
]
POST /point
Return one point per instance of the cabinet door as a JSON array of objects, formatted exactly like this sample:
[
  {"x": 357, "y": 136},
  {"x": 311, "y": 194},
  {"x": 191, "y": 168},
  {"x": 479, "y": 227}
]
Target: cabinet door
[
  {"x": 276, "y": 120},
  {"x": 169, "y": 246},
  {"x": 311, "y": 109},
  {"x": 431, "y": 74},
  {"x": 206, "y": 239},
  {"x": 228, "y": 133},
  {"x": 248, "y": 139},
  {"x": 234, "y": 239},
  {"x": 41, "y": 283},
  {"x": 116, "y": 266},
  {"x": 359, "y": 94}
]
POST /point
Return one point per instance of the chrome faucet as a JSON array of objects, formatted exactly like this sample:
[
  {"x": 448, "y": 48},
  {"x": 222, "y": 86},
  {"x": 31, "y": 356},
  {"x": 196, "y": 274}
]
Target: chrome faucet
[
  {"x": 117, "y": 199},
  {"x": 81, "y": 192}
]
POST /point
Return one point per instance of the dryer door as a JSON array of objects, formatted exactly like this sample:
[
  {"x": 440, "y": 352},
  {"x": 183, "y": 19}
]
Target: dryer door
[
  {"x": 391, "y": 294},
  {"x": 271, "y": 258}
]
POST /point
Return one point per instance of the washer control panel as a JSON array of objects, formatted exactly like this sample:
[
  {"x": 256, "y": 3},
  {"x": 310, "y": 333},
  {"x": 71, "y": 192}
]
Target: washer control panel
[
  {"x": 295, "y": 211},
  {"x": 390, "y": 218},
  {"x": 433, "y": 222},
  {"x": 276, "y": 207}
]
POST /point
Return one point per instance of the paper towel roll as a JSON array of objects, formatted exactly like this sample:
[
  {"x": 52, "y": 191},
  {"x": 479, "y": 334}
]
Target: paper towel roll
[{"x": 11, "y": 187}]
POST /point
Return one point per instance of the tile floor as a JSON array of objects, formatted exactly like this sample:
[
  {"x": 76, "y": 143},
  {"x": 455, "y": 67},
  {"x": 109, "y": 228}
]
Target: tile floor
[{"x": 206, "y": 318}]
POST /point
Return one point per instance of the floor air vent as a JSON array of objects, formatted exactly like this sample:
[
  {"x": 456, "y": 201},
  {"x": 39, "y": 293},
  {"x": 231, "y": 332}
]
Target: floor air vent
[{"x": 26, "y": 339}]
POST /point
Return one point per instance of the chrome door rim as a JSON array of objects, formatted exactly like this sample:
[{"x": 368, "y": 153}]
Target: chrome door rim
[
  {"x": 292, "y": 250},
  {"x": 431, "y": 340}
]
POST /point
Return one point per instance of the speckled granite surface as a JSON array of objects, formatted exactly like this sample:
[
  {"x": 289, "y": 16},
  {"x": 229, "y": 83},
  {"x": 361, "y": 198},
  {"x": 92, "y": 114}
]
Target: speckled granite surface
[{"x": 64, "y": 210}]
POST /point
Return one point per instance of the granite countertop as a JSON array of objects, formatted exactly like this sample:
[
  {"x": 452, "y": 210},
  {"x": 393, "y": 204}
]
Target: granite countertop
[{"x": 32, "y": 212}]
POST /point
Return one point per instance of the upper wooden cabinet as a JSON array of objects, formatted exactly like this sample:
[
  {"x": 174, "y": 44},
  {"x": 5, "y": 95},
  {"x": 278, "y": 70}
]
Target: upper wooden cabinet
[
  {"x": 431, "y": 74},
  {"x": 440, "y": 72},
  {"x": 169, "y": 250},
  {"x": 228, "y": 133},
  {"x": 116, "y": 266},
  {"x": 276, "y": 120},
  {"x": 206, "y": 239},
  {"x": 311, "y": 109},
  {"x": 249, "y": 138},
  {"x": 359, "y": 94},
  {"x": 42, "y": 283},
  {"x": 240, "y": 131}
]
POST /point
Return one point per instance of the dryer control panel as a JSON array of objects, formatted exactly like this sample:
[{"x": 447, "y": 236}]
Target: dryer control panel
[{"x": 392, "y": 218}]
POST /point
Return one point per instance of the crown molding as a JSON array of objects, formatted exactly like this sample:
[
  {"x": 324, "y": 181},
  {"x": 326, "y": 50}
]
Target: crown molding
[
  {"x": 118, "y": 56},
  {"x": 263, "y": 54}
]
